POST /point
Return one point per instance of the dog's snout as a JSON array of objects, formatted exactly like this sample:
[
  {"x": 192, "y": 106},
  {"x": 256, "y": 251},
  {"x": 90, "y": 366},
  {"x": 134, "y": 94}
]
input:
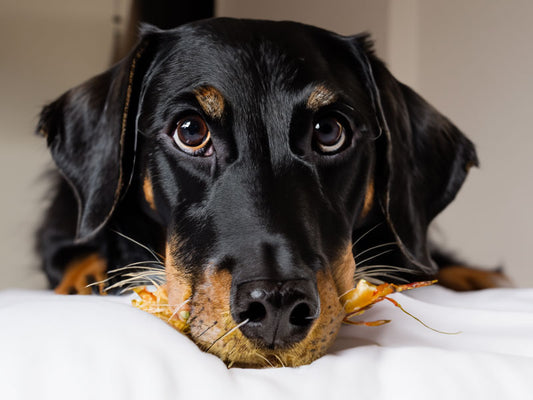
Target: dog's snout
[{"x": 277, "y": 313}]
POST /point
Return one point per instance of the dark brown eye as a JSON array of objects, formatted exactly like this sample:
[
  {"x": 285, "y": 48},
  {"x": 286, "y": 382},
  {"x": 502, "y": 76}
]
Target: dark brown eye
[
  {"x": 329, "y": 134},
  {"x": 192, "y": 135}
]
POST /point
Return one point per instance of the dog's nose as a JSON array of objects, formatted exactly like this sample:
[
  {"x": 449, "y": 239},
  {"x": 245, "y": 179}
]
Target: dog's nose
[{"x": 277, "y": 313}]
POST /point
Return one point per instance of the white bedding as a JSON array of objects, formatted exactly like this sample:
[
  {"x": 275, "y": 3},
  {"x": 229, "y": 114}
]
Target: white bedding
[{"x": 55, "y": 347}]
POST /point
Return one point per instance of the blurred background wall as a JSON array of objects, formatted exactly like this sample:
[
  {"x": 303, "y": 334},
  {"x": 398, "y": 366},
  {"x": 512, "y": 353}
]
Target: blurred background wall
[{"x": 472, "y": 59}]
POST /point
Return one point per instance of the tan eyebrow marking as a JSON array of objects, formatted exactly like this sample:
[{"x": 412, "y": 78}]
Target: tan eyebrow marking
[
  {"x": 149, "y": 192},
  {"x": 369, "y": 199},
  {"x": 211, "y": 100},
  {"x": 321, "y": 96}
]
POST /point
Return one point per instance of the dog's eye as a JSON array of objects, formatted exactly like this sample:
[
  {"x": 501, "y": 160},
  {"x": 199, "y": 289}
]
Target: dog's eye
[
  {"x": 192, "y": 135},
  {"x": 329, "y": 134}
]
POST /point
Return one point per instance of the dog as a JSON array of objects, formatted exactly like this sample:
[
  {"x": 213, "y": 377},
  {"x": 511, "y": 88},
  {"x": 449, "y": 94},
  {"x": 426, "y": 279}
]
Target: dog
[{"x": 249, "y": 166}]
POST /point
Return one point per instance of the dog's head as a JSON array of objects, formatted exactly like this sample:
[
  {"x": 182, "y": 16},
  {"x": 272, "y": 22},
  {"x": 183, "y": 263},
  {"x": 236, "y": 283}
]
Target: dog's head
[{"x": 265, "y": 150}]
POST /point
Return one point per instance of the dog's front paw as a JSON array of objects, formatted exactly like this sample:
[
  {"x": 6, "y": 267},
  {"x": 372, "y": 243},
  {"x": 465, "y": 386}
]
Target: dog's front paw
[
  {"x": 84, "y": 276},
  {"x": 462, "y": 278}
]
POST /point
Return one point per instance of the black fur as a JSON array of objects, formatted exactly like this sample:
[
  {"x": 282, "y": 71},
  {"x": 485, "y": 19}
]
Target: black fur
[{"x": 266, "y": 183}]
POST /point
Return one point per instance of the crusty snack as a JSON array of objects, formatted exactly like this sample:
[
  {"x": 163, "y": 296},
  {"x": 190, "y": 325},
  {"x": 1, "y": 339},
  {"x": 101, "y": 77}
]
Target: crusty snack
[
  {"x": 355, "y": 302},
  {"x": 365, "y": 295},
  {"x": 156, "y": 303}
]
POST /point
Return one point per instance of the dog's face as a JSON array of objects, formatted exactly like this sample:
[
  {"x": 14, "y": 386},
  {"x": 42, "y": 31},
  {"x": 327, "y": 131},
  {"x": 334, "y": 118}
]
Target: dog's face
[{"x": 263, "y": 150}]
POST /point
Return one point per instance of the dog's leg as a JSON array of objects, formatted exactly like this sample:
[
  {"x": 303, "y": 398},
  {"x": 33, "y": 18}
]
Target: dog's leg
[
  {"x": 82, "y": 272},
  {"x": 457, "y": 275},
  {"x": 463, "y": 278},
  {"x": 69, "y": 267}
]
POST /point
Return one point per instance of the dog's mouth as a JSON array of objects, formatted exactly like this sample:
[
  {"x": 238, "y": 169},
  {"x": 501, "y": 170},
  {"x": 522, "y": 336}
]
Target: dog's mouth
[
  {"x": 204, "y": 309},
  {"x": 214, "y": 329},
  {"x": 211, "y": 325},
  {"x": 205, "y": 314},
  {"x": 217, "y": 333}
]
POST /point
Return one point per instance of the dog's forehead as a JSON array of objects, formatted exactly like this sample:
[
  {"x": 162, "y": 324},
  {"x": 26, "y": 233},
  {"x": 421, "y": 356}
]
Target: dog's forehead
[{"x": 239, "y": 56}]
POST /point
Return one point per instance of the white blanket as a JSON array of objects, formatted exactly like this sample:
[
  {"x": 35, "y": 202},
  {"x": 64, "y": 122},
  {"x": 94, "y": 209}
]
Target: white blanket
[{"x": 76, "y": 347}]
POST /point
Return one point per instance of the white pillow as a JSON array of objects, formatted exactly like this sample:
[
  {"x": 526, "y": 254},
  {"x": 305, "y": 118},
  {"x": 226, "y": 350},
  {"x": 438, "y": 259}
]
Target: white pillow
[{"x": 90, "y": 347}]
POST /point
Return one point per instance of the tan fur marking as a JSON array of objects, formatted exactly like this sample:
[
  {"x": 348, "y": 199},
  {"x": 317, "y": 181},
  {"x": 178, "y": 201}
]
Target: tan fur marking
[
  {"x": 75, "y": 277},
  {"x": 470, "y": 165},
  {"x": 179, "y": 287},
  {"x": 369, "y": 199},
  {"x": 211, "y": 100},
  {"x": 344, "y": 271},
  {"x": 461, "y": 278},
  {"x": 321, "y": 96},
  {"x": 149, "y": 192},
  {"x": 211, "y": 316}
]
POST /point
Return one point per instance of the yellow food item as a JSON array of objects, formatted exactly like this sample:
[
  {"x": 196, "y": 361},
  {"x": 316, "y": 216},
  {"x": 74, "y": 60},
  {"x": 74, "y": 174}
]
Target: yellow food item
[
  {"x": 355, "y": 302},
  {"x": 365, "y": 295},
  {"x": 156, "y": 303}
]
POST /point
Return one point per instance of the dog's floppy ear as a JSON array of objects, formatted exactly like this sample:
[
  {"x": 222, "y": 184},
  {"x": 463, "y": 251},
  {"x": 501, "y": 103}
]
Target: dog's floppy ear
[
  {"x": 424, "y": 158},
  {"x": 91, "y": 133}
]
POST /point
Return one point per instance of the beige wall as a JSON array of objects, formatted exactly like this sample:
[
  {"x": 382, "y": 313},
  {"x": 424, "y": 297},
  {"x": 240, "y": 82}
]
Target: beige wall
[
  {"x": 472, "y": 59},
  {"x": 476, "y": 65},
  {"x": 46, "y": 47},
  {"x": 346, "y": 17}
]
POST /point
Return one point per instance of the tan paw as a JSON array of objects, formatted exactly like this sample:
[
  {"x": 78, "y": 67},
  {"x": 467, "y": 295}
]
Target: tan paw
[
  {"x": 462, "y": 278},
  {"x": 82, "y": 272}
]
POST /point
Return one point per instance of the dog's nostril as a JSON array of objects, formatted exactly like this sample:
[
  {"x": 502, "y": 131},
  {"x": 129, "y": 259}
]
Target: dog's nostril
[
  {"x": 301, "y": 315},
  {"x": 278, "y": 313},
  {"x": 256, "y": 312}
]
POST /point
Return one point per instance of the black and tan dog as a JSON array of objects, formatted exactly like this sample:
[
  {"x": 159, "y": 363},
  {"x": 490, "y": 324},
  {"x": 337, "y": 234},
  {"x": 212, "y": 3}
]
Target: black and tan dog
[{"x": 264, "y": 161}]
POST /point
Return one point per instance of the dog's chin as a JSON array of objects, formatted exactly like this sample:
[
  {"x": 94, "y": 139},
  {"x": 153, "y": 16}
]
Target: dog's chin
[
  {"x": 213, "y": 329},
  {"x": 236, "y": 350}
]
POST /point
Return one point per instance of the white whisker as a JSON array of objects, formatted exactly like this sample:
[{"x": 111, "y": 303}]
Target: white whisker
[
  {"x": 99, "y": 282},
  {"x": 348, "y": 291},
  {"x": 280, "y": 360},
  {"x": 375, "y": 256},
  {"x": 141, "y": 279},
  {"x": 376, "y": 278},
  {"x": 373, "y": 248},
  {"x": 143, "y": 274},
  {"x": 131, "y": 287},
  {"x": 158, "y": 257},
  {"x": 378, "y": 272},
  {"x": 384, "y": 267},
  {"x": 366, "y": 233},
  {"x": 140, "y": 265},
  {"x": 178, "y": 308},
  {"x": 264, "y": 358}
]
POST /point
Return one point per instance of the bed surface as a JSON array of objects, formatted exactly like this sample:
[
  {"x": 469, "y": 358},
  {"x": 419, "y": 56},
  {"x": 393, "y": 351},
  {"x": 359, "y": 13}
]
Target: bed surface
[{"x": 90, "y": 347}]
